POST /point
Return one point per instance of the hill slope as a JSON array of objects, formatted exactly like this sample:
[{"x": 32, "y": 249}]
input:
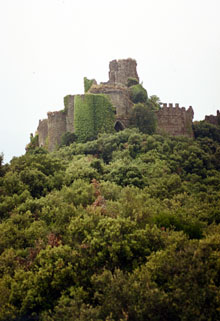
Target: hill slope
[{"x": 125, "y": 227}]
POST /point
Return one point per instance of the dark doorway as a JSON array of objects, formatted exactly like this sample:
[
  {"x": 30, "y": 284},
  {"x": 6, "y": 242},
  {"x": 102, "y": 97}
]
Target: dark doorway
[{"x": 118, "y": 126}]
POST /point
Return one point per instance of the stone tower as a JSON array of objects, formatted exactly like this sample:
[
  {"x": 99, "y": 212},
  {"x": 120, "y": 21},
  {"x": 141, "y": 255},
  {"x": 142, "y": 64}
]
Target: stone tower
[
  {"x": 116, "y": 88},
  {"x": 121, "y": 70}
]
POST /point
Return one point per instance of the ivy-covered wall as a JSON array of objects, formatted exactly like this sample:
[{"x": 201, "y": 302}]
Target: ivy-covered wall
[
  {"x": 93, "y": 114},
  {"x": 88, "y": 84}
]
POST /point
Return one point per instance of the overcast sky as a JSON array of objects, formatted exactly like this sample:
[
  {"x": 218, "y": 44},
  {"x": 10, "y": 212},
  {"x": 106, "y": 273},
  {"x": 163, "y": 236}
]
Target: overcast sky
[{"x": 48, "y": 46}]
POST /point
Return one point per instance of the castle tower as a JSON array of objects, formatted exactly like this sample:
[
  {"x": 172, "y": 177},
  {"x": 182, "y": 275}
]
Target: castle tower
[
  {"x": 42, "y": 132},
  {"x": 121, "y": 70},
  {"x": 56, "y": 128}
]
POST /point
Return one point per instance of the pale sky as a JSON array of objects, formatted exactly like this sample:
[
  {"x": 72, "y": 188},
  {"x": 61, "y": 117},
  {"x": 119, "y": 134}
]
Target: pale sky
[{"x": 48, "y": 46}]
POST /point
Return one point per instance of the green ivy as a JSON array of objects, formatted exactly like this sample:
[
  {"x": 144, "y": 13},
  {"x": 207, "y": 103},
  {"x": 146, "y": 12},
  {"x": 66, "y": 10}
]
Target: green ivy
[
  {"x": 93, "y": 114},
  {"x": 87, "y": 84}
]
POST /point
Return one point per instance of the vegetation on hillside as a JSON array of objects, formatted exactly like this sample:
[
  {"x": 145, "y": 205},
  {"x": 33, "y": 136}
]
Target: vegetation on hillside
[{"x": 124, "y": 227}]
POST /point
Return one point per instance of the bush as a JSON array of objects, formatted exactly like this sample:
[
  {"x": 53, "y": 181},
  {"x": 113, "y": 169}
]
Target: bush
[
  {"x": 138, "y": 94},
  {"x": 132, "y": 82},
  {"x": 202, "y": 129},
  {"x": 143, "y": 118},
  {"x": 68, "y": 138}
]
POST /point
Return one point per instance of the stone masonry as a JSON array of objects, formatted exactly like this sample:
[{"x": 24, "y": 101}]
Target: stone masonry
[
  {"x": 214, "y": 120},
  {"x": 121, "y": 70},
  {"x": 56, "y": 128},
  {"x": 116, "y": 88},
  {"x": 171, "y": 119},
  {"x": 42, "y": 132},
  {"x": 69, "y": 113},
  {"x": 120, "y": 100},
  {"x": 175, "y": 120}
]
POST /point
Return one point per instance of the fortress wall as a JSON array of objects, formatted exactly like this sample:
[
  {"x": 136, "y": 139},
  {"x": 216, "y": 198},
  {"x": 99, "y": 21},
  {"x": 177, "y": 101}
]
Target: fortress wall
[
  {"x": 121, "y": 70},
  {"x": 42, "y": 130},
  {"x": 175, "y": 121},
  {"x": 119, "y": 97},
  {"x": 214, "y": 120},
  {"x": 69, "y": 106},
  {"x": 56, "y": 128}
]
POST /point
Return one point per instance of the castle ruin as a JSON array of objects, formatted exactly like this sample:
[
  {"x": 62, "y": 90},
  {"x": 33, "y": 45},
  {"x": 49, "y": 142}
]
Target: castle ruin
[
  {"x": 171, "y": 119},
  {"x": 174, "y": 120},
  {"x": 214, "y": 120}
]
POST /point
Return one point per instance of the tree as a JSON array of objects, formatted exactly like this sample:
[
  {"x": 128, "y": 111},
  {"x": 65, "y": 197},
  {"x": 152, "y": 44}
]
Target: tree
[
  {"x": 143, "y": 118},
  {"x": 154, "y": 102},
  {"x": 202, "y": 129}
]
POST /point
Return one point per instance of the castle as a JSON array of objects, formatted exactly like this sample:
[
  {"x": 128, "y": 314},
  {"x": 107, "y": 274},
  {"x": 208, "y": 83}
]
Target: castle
[{"x": 171, "y": 119}]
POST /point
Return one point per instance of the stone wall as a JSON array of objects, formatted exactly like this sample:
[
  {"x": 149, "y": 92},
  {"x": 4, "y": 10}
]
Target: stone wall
[
  {"x": 214, "y": 120},
  {"x": 69, "y": 107},
  {"x": 56, "y": 128},
  {"x": 119, "y": 97},
  {"x": 175, "y": 121},
  {"x": 42, "y": 131},
  {"x": 121, "y": 70}
]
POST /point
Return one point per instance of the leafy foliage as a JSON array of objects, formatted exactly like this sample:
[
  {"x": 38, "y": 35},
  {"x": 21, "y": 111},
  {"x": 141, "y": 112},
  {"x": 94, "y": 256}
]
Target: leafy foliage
[
  {"x": 202, "y": 129},
  {"x": 124, "y": 227},
  {"x": 143, "y": 118},
  {"x": 138, "y": 94},
  {"x": 154, "y": 102},
  {"x": 68, "y": 138},
  {"x": 33, "y": 143},
  {"x": 132, "y": 82}
]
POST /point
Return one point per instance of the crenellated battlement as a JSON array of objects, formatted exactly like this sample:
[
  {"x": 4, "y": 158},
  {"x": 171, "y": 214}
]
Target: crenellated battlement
[
  {"x": 171, "y": 105},
  {"x": 175, "y": 120},
  {"x": 214, "y": 120}
]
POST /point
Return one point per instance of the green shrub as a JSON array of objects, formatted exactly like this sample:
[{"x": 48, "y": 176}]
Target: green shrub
[
  {"x": 68, "y": 138},
  {"x": 138, "y": 94},
  {"x": 143, "y": 118},
  {"x": 34, "y": 143},
  {"x": 202, "y": 129},
  {"x": 132, "y": 82}
]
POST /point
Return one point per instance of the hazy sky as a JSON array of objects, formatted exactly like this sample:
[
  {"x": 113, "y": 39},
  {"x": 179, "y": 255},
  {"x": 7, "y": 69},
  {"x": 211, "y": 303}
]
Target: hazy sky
[{"x": 48, "y": 46}]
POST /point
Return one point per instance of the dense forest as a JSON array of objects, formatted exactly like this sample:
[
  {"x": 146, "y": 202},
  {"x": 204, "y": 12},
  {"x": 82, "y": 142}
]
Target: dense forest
[{"x": 124, "y": 227}]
